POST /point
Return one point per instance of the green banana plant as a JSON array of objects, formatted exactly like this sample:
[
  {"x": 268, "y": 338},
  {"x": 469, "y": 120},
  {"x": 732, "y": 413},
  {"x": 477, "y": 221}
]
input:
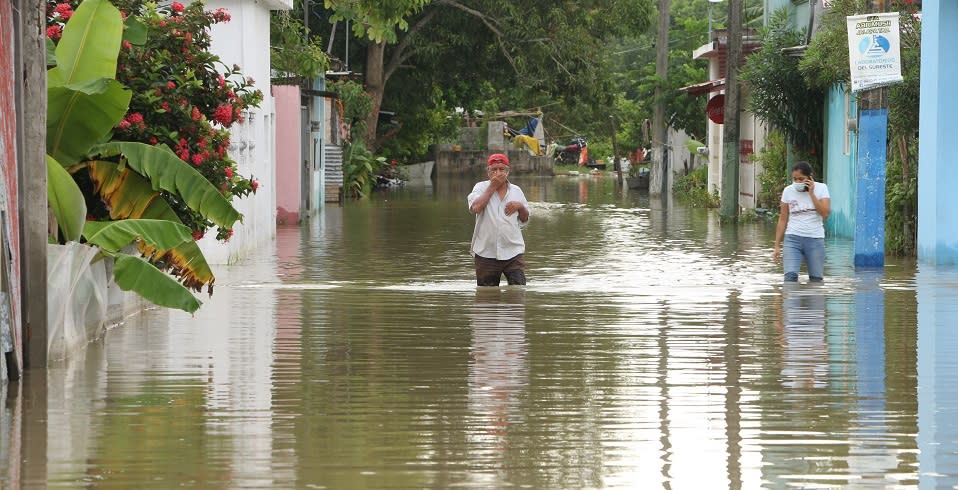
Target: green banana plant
[
  {"x": 131, "y": 196},
  {"x": 85, "y": 102},
  {"x": 166, "y": 171},
  {"x": 66, "y": 200},
  {"x": 131, "y": 273},
  {"x": 136, "y": 274}
]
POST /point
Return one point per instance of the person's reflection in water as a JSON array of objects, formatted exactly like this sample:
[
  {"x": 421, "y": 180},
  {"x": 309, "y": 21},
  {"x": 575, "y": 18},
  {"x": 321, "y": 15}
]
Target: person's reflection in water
[
  {"x": 805, "y": 358},
  {"x": 498, "y": 367}
]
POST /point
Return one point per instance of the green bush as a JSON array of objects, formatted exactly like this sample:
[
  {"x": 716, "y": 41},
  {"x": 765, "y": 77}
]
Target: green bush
[
  {"x": 775, "y": 175},
  {"x": 901, "y": 199},
  {"x": 693, "y": 189},
  {"x": 778, "y": 93},
  {"x": 359, "y": 170}
]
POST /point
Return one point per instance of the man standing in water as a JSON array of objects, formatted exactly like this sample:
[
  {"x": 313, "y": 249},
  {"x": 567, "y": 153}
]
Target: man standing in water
[{"x": 501, "y": 209}]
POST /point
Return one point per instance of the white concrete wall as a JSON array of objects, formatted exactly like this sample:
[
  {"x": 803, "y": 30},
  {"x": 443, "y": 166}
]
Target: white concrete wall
[
  {"x": 245, "y": 41},
  {"x": 714, "y": 140}
]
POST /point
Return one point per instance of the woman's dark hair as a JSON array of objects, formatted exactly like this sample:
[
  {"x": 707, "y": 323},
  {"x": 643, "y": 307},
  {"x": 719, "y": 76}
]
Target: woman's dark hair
[{"x": 803, "y": 167}]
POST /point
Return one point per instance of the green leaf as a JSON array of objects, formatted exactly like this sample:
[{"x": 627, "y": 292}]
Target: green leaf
[
  {"x": 82, "y": 115},
  {"x": 112, "y": 236},
  {"x": 166, "y": 171},
  {"x": 51, "y": 53},
  {"x": 134, "y": 31},
  {"x": 137, "y": 275},
  {"x": 130, "y": 196},
  {"x": 91, "y": 42},
  {"x": 65, "y": 200}
]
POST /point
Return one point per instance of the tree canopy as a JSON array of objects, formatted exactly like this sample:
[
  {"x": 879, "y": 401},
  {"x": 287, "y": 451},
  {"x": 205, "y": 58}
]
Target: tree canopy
[{"x": 579, "y": 61}]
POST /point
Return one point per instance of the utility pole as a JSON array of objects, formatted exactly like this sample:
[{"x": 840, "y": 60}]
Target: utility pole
[
  {"x": 31, "y": 156},
  {"x": 871, "y": 170},
  {"x": 730, "y": 137},
  {"x": 658, "y": 178},
  {"x": 615, "y": 151}
]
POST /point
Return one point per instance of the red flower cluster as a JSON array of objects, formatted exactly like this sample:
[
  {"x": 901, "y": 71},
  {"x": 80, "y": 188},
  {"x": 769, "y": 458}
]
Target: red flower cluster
[
  {"x": 183, "y": 150},
  {"x": 55, "y": 31},
  {"x": 223, "y": 114},
  {"x": 133, "y": 120},
  {"x": 221, "y": 15},
  {"x": 177, "y": 7},
  {"x": 64, "y": 11}
]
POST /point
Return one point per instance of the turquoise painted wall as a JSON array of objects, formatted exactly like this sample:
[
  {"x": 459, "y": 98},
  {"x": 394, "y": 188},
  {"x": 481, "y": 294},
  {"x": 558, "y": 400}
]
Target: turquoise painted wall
[
  {"x": 798, "y": 8},
  {"x": 773, "y": 5},
  {"x": 840, "y": 170},
  {"x": 938, "y": 160}
]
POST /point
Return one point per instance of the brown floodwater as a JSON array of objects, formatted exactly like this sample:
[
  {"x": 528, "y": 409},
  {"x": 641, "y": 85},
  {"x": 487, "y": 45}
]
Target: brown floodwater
[{"x": 652, "y": 348}]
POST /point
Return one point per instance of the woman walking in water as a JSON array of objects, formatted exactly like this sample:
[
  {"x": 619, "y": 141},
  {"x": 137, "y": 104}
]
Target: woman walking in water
[{"x": 801, "y": 225}]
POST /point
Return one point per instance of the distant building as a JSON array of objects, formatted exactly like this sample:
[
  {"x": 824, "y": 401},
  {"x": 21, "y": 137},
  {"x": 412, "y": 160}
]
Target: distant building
[{"x": 752, "y": 131}]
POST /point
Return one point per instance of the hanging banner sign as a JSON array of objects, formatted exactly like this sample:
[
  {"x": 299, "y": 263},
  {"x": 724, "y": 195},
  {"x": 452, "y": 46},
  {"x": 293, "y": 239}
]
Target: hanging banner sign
[{"x": 874, "y": 49}]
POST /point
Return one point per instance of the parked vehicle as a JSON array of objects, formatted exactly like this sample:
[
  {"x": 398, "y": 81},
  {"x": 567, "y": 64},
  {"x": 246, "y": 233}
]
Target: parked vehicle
[{"x": 572, "y": 153}]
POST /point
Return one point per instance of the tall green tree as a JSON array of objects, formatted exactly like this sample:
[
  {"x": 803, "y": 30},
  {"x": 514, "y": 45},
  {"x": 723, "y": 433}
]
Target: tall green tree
[
  {"x": 779, "y": 94},
  {"x": 379, "y": 22},
  {"x": 529, "y": 52}
]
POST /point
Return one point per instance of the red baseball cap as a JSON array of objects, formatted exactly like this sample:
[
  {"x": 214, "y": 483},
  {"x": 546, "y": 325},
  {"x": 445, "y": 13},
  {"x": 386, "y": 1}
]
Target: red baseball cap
[{"x": 498, "y": 158}]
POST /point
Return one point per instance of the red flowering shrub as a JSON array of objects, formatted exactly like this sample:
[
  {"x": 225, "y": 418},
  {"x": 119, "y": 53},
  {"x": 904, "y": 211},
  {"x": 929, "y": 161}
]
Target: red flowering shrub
[{"x": 183, "y": 95}]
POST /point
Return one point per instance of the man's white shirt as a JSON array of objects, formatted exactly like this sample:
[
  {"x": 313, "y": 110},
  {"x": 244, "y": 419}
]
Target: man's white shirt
[{"x": 496, "y": 235}]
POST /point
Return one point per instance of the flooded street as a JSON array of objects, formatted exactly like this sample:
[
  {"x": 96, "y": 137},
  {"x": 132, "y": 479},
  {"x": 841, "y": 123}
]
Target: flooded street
[{"x": 652, "y": 348}]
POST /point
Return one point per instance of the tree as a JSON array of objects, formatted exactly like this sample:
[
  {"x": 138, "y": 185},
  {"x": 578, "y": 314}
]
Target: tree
[
  {"x": 378, "y": 21},
  {"x": 558, "y": 53},
  {"x": 778, "y": 93}
]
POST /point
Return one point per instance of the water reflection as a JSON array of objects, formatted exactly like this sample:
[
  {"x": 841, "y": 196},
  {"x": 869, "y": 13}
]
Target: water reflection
[
  {"x": 805, "y": 360},
  {"x": 656, "y": 348},
  {"x": 938, "y": 377},
  {"x": 498, "y": 369}
]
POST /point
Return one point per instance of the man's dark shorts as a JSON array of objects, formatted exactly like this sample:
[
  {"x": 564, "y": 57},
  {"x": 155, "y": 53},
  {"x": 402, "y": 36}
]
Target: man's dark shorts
[{"x": 489, "y": 271}]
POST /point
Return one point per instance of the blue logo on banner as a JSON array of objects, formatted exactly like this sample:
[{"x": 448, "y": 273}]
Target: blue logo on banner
[{"x": 874, "y": 46}]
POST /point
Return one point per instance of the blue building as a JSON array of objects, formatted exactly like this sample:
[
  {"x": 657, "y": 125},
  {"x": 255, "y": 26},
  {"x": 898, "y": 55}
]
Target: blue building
[{"x": 938, "y": 161}]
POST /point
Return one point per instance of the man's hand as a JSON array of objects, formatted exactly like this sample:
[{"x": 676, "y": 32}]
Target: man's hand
[
  {"x": 512, "y": 207},
  {"x": 777, "y": 255},
  {"x": 497, "y": 181}
]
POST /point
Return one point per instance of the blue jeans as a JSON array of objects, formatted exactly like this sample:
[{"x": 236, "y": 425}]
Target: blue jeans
[{"x": 812, "y": 250}]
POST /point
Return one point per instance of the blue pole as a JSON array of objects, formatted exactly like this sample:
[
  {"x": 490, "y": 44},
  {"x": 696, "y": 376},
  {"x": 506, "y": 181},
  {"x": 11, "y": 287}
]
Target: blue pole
[{"x": 870, "y": 195}]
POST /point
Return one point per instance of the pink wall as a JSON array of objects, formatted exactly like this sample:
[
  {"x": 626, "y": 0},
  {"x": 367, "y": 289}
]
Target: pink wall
[{"x": 289, "y": 161}]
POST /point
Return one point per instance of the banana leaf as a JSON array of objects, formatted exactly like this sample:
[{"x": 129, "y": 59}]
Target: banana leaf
[
  {"x": 82, "y": 115},
  {"x": 90, "y": 44},
  {"x": 185, "y": 261},
  {"x": 166, "y": 171},
  {"x": 137, "y": 275},
  {"x": 113, "y": 236},
  {"x": 130, "y": 196},
  {"x": 66, "y": 200},
  {"x": 51, "y": 53}
]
